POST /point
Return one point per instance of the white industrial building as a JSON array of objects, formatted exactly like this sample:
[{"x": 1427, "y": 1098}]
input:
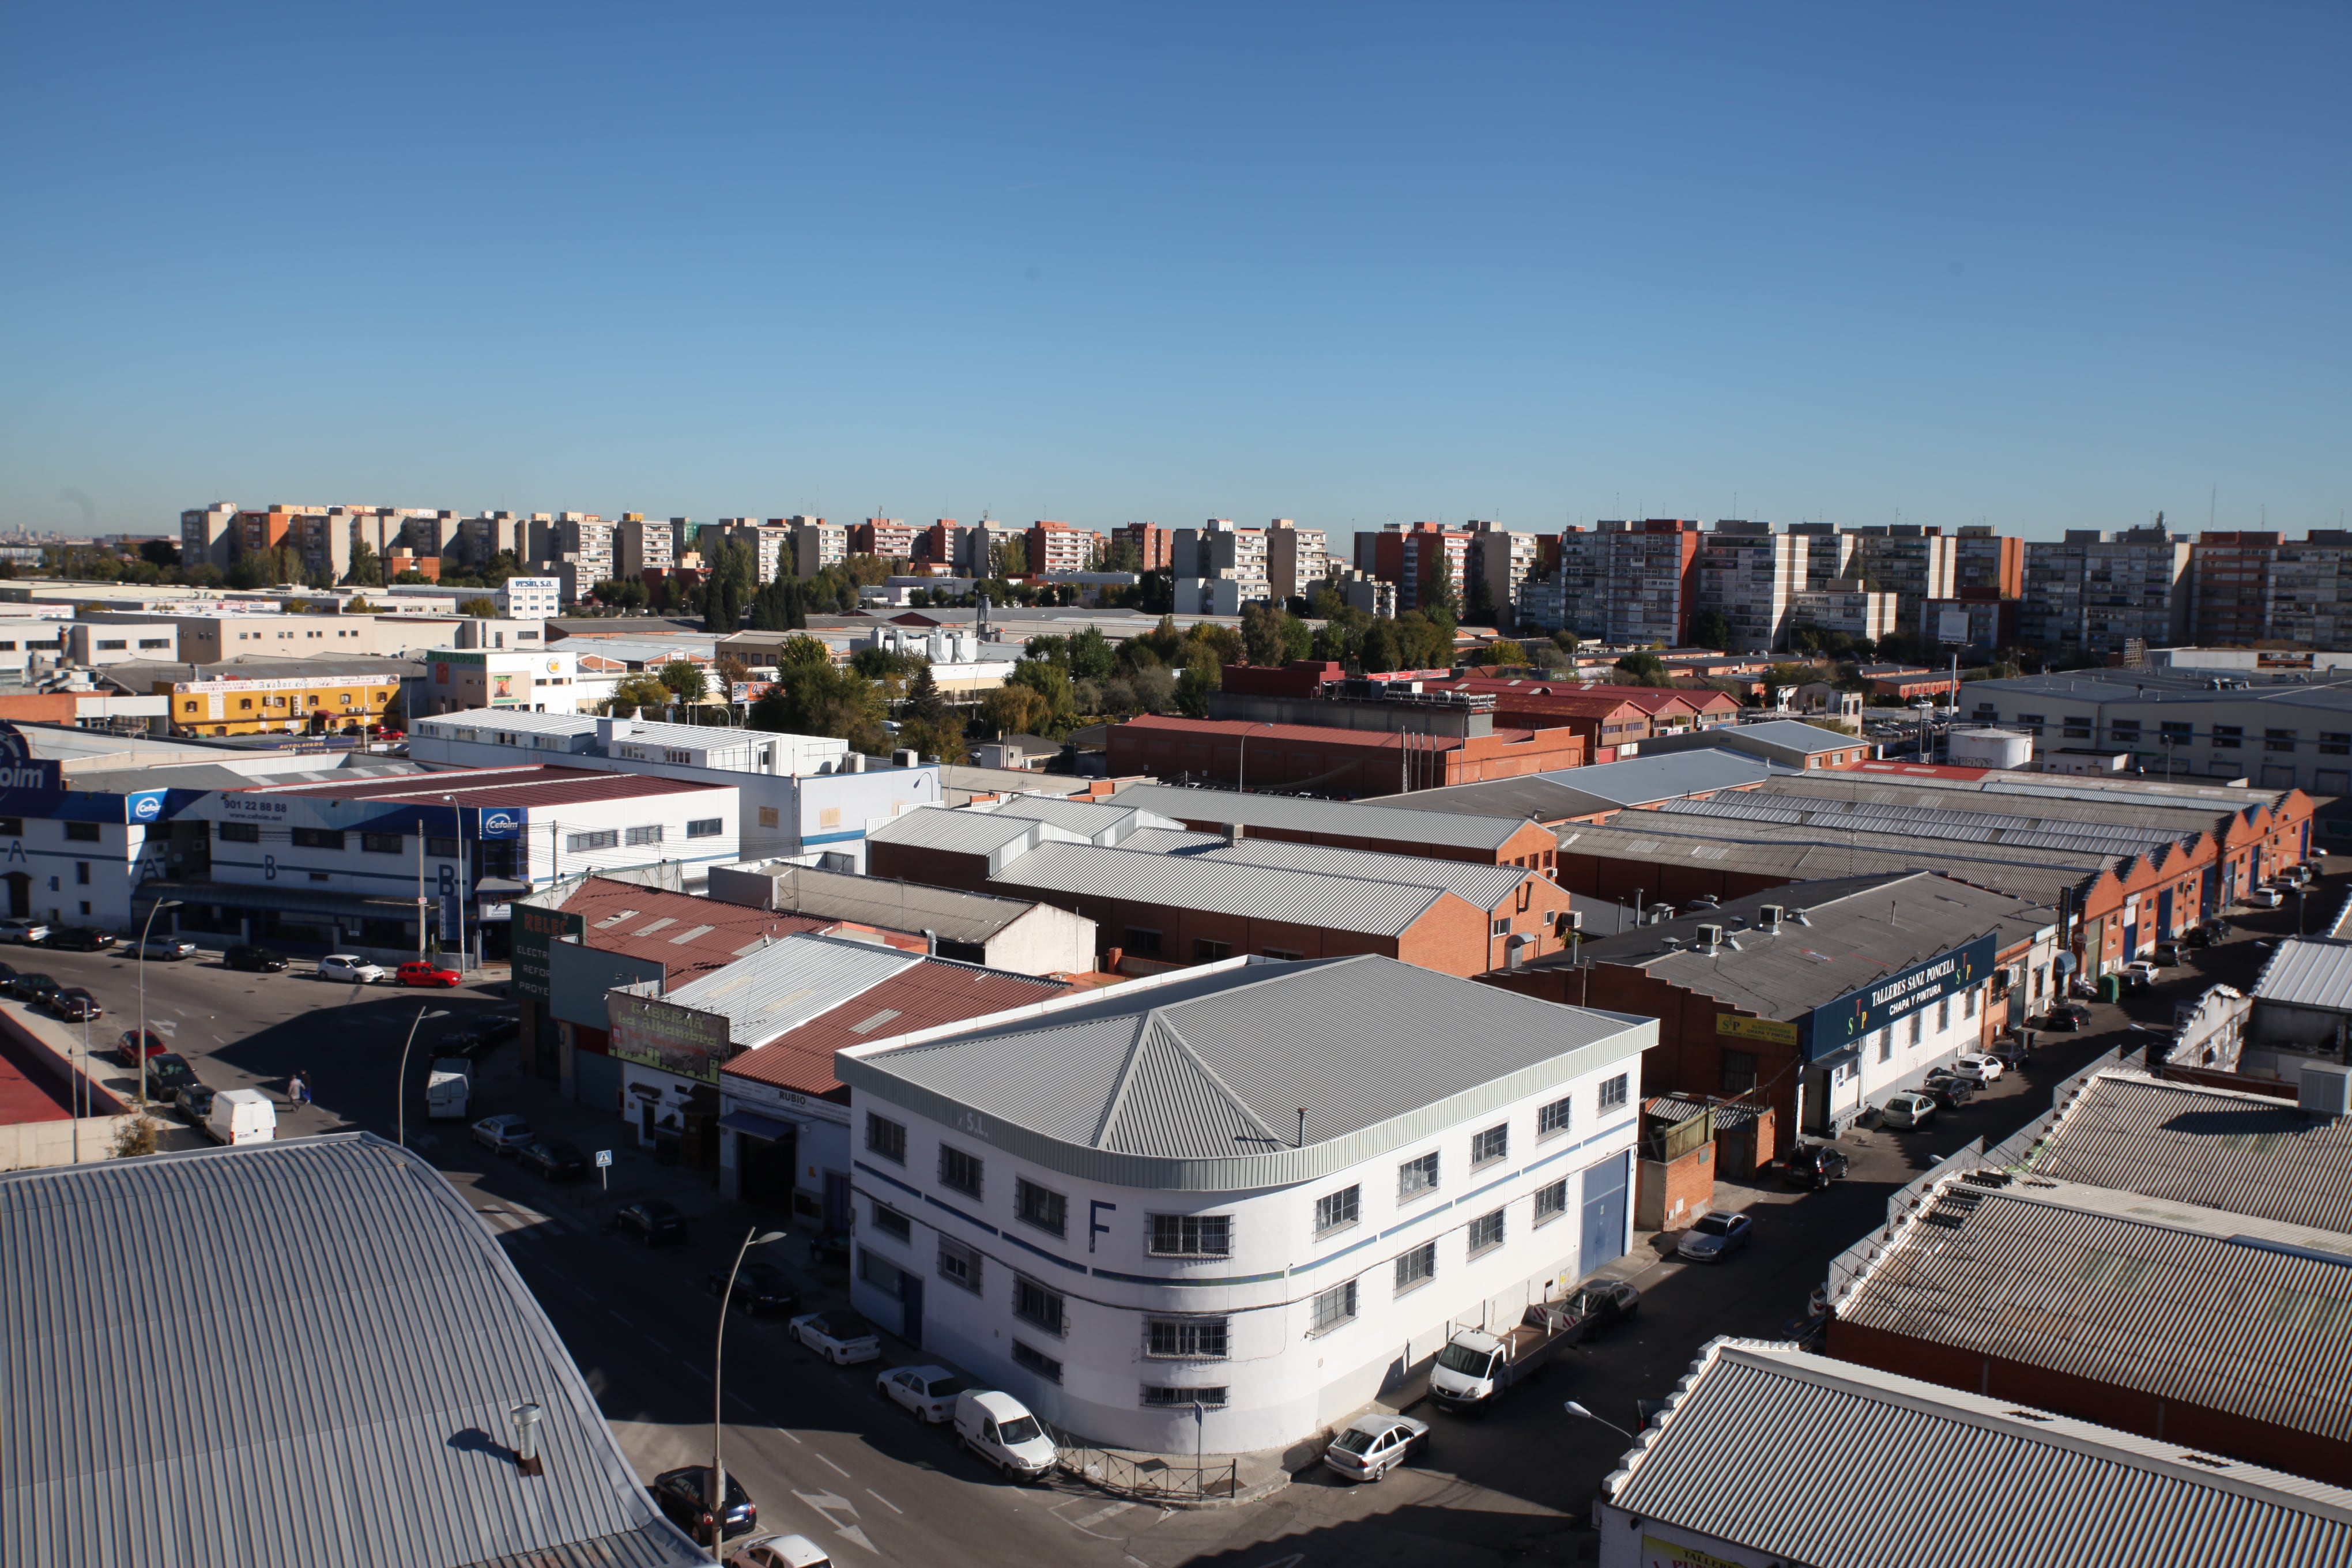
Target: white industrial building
[{"x": 1275, "y": 1189}]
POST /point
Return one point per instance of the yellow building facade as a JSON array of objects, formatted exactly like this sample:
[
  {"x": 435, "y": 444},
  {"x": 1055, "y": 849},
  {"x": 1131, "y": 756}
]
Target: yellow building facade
[{"x": 323, "y": 706}]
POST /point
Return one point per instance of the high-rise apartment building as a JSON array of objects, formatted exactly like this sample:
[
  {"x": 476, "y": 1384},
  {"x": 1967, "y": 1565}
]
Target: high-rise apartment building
[
  {"x": 1501, "y": 563},
  {"x": 2093, "y": 592},
  {"x": 1829, "y": 553},
  {"x": 1297, "y": 560},
  {"x": 2249, "y": 587},
  {"x": 941, "y": 544},
  {"x": 1411, "y": 558},
  {"x": 1750, "y": 575},
  {"x": 890, "y": 536},
  {"x": 1983, "y": 559},
  {"x": 1911, "y": 562},
  {"x": 576, "y": 546},
  {"x": 641, "y": 545},
  {"x": 2311, "y": 591},
  {"x": 1844, "y": 604},
  {"x": 978, "y": 545},
  {"x": 1154, "y": 545},
  {"x": 1218, "y": 568},
  {"x": 1058, "y": 547}
]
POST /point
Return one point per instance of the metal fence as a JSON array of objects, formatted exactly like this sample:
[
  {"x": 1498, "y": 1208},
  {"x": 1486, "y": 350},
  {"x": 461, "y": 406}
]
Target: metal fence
[{"x": 1147, "y": 1475}]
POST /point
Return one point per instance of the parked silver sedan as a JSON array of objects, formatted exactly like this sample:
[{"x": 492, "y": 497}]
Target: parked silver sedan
[
  {"x": 170, "y": 949},
  {"x": 1372, "y": 1445}
]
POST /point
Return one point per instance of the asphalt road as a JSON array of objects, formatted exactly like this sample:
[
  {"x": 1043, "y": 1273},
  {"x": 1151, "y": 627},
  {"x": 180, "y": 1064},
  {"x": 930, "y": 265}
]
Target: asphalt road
[{"x": 823, "y": 1454}]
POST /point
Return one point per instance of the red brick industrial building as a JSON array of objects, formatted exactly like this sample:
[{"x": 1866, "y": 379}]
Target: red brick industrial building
[{"x": 1331, "y": 760}]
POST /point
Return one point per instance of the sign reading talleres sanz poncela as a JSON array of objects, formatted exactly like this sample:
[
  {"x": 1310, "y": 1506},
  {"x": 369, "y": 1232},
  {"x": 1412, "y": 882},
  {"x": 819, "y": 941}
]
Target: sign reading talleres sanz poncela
[{"x": 1866, "y": 1009}]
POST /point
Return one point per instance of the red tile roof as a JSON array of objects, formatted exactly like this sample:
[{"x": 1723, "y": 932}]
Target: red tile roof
[
  {"x": 523, "y": 786},
  {"x": 685, "y": 934},
  {"x": 931, "y": 993}
]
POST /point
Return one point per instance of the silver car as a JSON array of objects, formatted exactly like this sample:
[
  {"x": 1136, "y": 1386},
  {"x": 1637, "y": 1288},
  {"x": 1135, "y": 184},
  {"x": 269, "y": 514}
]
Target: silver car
[
  {"x": 504, "y": 1133},
  {"x": 1372, "y": 1445},
  {"x": 167, "y": 947},
  {"x": 24, "y": 932}
]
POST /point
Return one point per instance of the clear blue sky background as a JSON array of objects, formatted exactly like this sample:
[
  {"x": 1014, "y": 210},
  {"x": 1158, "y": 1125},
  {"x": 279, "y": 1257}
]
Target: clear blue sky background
[{"x": 2041, "y": 266}]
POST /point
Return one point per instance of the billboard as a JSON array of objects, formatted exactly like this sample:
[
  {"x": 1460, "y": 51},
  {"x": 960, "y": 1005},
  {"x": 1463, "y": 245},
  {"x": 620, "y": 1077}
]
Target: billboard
[
  {"x": 1952, "y": 626},
  {"x": 653, "y": 1033},
  {"x": 533, "y": 928},
  {"x": 1869, "y": 1008}
]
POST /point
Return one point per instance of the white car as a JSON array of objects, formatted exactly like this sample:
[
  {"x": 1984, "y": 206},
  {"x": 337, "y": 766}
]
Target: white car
[
  {"x": 350, "y": 966},
  {"x": 1976, "y": 1067},
  {"x": 842, "y": 1338},
  {"x": 929, "y": 1392},
  {"x": 168, "y": 948},
  {"x": 779, "y": 1552},
  {"x": 1374, "y": 1445},
  {"x": 2265, "y": 898},
  {"x": 504, "y": 1133},
  {"x": 23, "y": 933}
]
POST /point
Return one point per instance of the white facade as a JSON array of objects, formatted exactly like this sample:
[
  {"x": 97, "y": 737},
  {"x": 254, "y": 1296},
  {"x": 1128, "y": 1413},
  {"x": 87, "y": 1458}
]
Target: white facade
[
  {"x": 1753, "y": 576},
  {"x": 530, "y": 598},
  {"x": 1295, "y": 1303},
  {"x": 459, "y": 680}
]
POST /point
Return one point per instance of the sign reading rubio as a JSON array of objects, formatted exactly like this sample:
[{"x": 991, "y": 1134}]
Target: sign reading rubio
[
  {"x": 653, "y": 1033},
  {"x": 533, "y": 928},
  {"x": 1865, "y": 1011}
]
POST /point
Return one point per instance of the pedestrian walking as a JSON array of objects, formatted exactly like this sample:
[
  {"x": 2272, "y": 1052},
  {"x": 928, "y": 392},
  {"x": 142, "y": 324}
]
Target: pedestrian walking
[{"x": 295, "y": 1092}]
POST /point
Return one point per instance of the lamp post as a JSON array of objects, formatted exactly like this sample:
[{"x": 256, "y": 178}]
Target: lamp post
[
  {"x": 1573, "y": 1408},
  {"x": 1241, "y": 768},
  {"x": 458, "y": 816},
  {"x": 149, "y": 926},
  {"x": 717, "y": 1494},
  {"x": 400, "y": 1084}
]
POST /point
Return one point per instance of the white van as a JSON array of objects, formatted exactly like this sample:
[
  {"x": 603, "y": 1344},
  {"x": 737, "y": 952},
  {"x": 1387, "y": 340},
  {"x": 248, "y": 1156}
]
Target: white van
[
  {"x": 447, "y": 1088},
  {"x": 999, "y": 1429},
  {"x": 241, "y": 1116}
]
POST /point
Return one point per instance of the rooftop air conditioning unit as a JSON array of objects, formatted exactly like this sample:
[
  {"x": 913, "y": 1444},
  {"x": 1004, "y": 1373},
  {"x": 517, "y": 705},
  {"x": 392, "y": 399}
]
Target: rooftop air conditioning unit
[
  {"x": 1710, "y": 937},
  {"x": 1768, "y": 917},
  {"x": 2326, "y": 1092}
]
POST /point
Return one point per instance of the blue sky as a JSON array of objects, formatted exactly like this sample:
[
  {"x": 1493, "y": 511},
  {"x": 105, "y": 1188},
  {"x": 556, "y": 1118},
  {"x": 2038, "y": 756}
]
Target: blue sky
[{"x": 2042, "y": 267}]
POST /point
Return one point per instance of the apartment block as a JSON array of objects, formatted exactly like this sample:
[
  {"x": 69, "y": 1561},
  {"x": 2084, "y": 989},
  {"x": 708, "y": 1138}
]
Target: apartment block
[
  {"x": 1297, "y": 560},
  {"x": 1652, "y": 585},
  {"x": 1217, "y": 546},
  {"x": 1058, "y": 547},
  {"x": 1751, "y": 575},
  {"x": 1154, "y": 545},
  {"x": 1983, "y": 559},
  {"x": 640, "y": 546},
  {"x": 1844, "y": 604},
  {"x": 1829, "y": 553},
  {"x": 1503, "y": 561},
  {"x": 581, "y": 541},
  {"x": 2093, "y": 590},
  {"x": 1911, "y": 562},
  {"x": 941, "y": 544},
  {"x": 890, "y": 536},
  {"x": 816, "y": 544}
]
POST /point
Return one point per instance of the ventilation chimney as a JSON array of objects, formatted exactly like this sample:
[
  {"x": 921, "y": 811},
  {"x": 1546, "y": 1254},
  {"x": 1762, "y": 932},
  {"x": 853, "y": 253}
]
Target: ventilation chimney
[
  {"x": 1302, "y": 1127},
  {"x": 1710, "y": 937},
  {"x": 1233, "y": 835},
  {"x": 930, "y": 941},
  {"x": 526, "y": 1419},
  {"x": 906, "y": 758}
]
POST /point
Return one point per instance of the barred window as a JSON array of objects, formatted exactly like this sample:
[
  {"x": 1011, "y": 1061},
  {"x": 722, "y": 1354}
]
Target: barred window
[
  {"x": 1334, "y": 1307},
  {"x": 1191, "y": 1236},
  {"x": 1613, "y": 1092},
  {"x": 1202, "y": 1338},
  {"x": 886, "y": 1138},
  {"x": 602, "y": 838},
  {"x": 1159, "y": 1398},
  {"x": 1034, "y": 1303},
  {"x": 1415, "y": 1177},
  {"x": 1038, "y": 1362},
  {"x": 1486, "y": 1231},
  {"x": 1551, "y": 1202},
  {"x": 652, "y": 834},
  {"x": 1494, "y": 1143},
  {"x": 1037, "y": 1205},
  {"x": 890, "y": 1222},
  {"x": 1416, "y": 1267},
  {"x": 1555, "y": 1118},
  {"x": 959, "y": 1170},
  {"x": 959, "y": 1265},
  {"x": 1336, "y": 1211},
  {"x": 710, "y": 827}
]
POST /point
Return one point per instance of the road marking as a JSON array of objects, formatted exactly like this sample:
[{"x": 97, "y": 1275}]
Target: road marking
[
  {"x": 885, "y": 1502},
  {"x": 786, "y": 1431},
  {"x": 827, "y": 1504},
  {"x": 559, "y": 1274},
  {"x": 836, "y": 1469},
  {"x": 739, "y": 1399},
  {"x": 653, "y": 1342},
  {"x": 1098, "y": 1516},
  {"x": 624, "y": 1322}
]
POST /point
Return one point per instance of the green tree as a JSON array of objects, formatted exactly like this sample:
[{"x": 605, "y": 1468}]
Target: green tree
[
  {"x": 1711, "y": 628},
  {"x": 1646, "y": 668},
  {"x": 1381, "y": 650},
  {"x": 1014, "y": 710},
  {"x": 1503, "y": 651},
  {"x": 485, "y": 609},
  {"x": 925, "y": 704},
  {"x": 1051, "y": 682},
  {"x": 1442, "y": 602},
  {"x": 814, "y": 699},
  {"x": 638, "y": 692},
  {"x": 1425, "y": 642},
  {"x": 1009, "y": 557},
  {"x": 1202, "y": 674},
  {"x": 1091, "y": 656},
  {"x": 685, "y": 679},
  {"x": 1262, "y": 640},
  {"x": 730, "y": 673},
  {"x": 1122, "y": 555},
  {"x": 161, "y": 554}
]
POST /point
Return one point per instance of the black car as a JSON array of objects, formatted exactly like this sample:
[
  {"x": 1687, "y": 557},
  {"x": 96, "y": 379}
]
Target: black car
[
  {"x": 679, "y": 1493},
  {"x": 254, "y": 959},
  {"x": 653, "y": 1222},
  {"x": 2065, "y": 1017},
  {"x": 1816, "y": 1166},
  {"x": 74, "y": 1003},
  {"x": 166, "y": 1073},
  {"x": 759, "y": 1288},
  {"x": 79, "y": 939},
  {"x": 1948, "y": 1093},
  {"x": 32, "y": 987},
  {"x": 557, "y": 1161},
  {"x": 477, "y": 1040},
  {"x": 194, "y": 1102}
]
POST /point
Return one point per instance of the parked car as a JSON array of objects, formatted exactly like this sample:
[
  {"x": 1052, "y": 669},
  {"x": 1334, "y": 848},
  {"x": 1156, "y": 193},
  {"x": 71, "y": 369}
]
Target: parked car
[
  {"x": 653, "y": 1222},
  {"x": 1716, "y": 1236},
  {"x": 240, "y": 1116},
  {"x": 1949, "y": 1092},
  {"x": 477, "y": 1039},
  {"x": 127, "y": 1051},
  {"x": 843, "y": 1338},
  {"x": 1000, "y": 1430},
  {"x": 1815, "y": 1165},
  {"x": 2202, "y": 936},
  {"x": 2265, "y": 899},
  {"x": 1907, "y": 1109},
  {"x": 165, "y": 1074},
  {"x": 779, "y": 1552},
  {"x": 448, "y": 1089},
  {"x": 169, "y": 949},
  {"x": 422, "y": 972},
  {"x": 1978, "y": 1066},
  {"x": 24, "y": 931},
  {"x": 74, "y": 1003},
  {"x": 2168, "y": 956},
  {"x": 928, "y": 1392},
  {"x": 504, "y": 1133},
  {"x": 351, "y": 967},
  {"x": 1371, "y": 1447},
  {"x": 253, "y": 960},
  {"x": 683, "y": 1494},
  {"x": 759, "y": 1288},
  {"x": 558, "y": 1161},
  {"x": 79, "y": 939},
  {"x": 194, "y": 1103},
  {"x": 1596, "y": 1308},
  {"x": 32, "y": 987}
]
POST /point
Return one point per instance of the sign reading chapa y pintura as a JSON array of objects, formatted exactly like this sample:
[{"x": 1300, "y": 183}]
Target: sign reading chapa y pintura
[
  {"x": 653, "y": 1033},
  {"x": 533, "y": 928},
  {"x": 1869, "y": 1008}
]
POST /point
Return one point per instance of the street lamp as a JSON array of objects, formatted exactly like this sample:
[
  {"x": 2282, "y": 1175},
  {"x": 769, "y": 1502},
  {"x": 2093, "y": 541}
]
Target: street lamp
[
  {"x": 458, "y": 816},
  {"x": 751, "y": 1238},
  {"x": 400, "y": 1084},
  {"x": 1241, "y": 768},
  {"x": 159, "y": 904},
  {"x": 1573, "y": 1408}
]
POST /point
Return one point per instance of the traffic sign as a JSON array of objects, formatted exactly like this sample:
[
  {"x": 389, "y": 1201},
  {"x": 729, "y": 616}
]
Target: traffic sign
[
  {"x": 603, "y": 1157},
  {"x": 603, "y": 1163}
]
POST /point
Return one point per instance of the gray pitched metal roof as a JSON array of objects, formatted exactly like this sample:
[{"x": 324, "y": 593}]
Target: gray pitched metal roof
[
  {"x": 2180, "y": 1302},
  {"x": 1483, "y": 885},
  {"x": 1779, "y": 734},
  {"x": 954, "y": 831},
  {"x": 355, "y": 1340},
  {"x": 1095, "y": 822},
  {"x": 1362, "y": 820},
  {"x": 781, "y": 986},
  {"x": 1786, "y": 1453},
  {"x": 2308, "y": 972},
  {"x": 956, "y": 915},
  {"x": 2185, "y": 1143},
  {"x": 1191, "y": 882},
  {"x": 1196, "y": 1082},
  {"x": 1927, "y": 822}
]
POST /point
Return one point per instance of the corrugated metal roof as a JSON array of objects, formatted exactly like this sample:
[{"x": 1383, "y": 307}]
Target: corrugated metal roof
[
  {"x": 1192, "y": 882},
  {"x": 954, "y": 831},
  {"x": 778, "y": 988},
  {"x": 1928, "y": 823},
  {"x": 354, "y": 1340},
  {"x": 1359, "y": 819},
  {"x": 921, "y": 996},
  {"x": 1095, "y": 822},
  {"x": 1782, "y": 734},
  {"x": 1483, "y": 885},
  {"x": 956, "y": 915},
  {"x": 523, "y": 786},
  {"x": 1787, "y": 1453},
  {"x": 646, "y": 922},
  {"x": 2184, "y": 1142},
  {"x": 2308, "y": 972},
  {"x": 1170, "y": 841},
  {"x": 2174, "y": 1301}
]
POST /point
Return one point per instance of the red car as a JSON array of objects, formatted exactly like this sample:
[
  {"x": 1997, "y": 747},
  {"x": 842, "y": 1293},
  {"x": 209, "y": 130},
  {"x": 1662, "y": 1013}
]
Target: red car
[
  {"x": 416, "y": 973},
  {"x": 126, "y": 1050}
]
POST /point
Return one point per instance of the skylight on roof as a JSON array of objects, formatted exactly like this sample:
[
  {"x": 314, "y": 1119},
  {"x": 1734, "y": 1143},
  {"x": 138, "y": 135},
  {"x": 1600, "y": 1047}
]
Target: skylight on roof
[
  {"x": 609, "y": 921},
  {"x": 688, "y": 934}
]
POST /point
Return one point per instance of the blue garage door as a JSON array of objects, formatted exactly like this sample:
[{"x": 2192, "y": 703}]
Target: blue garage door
[{"x": 1604, "y": 1212}]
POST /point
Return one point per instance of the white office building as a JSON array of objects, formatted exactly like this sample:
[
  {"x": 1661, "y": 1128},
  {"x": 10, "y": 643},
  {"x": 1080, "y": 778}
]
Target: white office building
[
  {"x": 530, "y": 598},
  {"x": 1272, "y": 1188}
]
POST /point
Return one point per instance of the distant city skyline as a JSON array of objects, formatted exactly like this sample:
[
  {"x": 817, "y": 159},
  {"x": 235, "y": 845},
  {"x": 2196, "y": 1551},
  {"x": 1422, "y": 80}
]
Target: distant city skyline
[{"x": 2036, "y": 269}]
